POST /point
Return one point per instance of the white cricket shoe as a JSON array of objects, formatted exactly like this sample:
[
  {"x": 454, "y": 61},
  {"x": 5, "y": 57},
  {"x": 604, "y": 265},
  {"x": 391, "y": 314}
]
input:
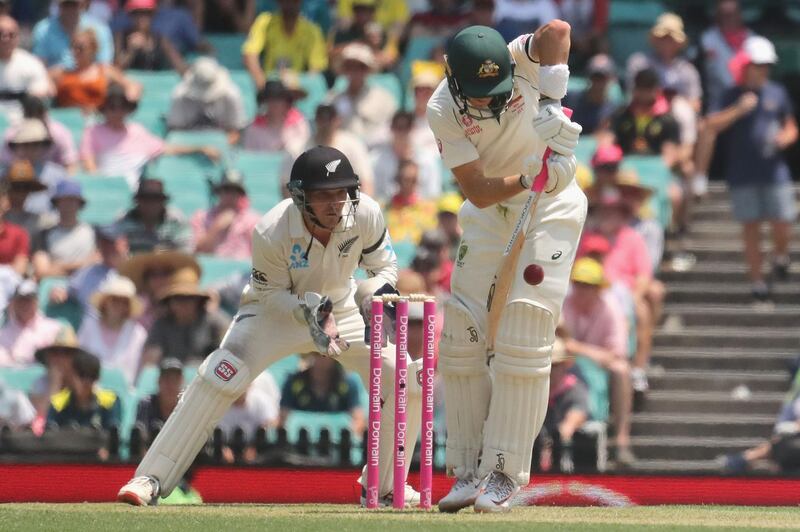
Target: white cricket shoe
[
  {"x": 412, "y": 498},
  {"x": 497, "y": 493},
  {"x": 462, "y": 494},
  {"x": 140, "y": 491}
]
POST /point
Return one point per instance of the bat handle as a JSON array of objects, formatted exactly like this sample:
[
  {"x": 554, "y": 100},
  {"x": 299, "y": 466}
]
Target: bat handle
[{"x": 541, "y": 180}]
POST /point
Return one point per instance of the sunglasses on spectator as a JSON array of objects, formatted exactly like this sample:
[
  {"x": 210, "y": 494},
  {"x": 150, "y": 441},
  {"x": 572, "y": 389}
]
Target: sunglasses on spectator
[{"x": 8, "y": 34}]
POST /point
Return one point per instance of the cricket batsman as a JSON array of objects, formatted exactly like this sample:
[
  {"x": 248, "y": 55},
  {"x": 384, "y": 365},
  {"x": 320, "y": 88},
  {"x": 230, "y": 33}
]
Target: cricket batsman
[
  {"x": 493, "y": 117},
  {"x": 301, "y": 297}
]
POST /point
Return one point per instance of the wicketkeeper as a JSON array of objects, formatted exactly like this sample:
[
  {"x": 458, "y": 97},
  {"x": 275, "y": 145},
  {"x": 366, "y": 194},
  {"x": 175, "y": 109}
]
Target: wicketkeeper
[
  {"x": 493, "y": 117},
  {"x": 301, "y": 297}
]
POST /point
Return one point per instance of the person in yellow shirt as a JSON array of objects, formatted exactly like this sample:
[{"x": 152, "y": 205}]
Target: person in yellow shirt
[
  {"x": 407, "y": 214},
  {"x": 391, "y": 14},
  {"x": 284, "y": 40}
]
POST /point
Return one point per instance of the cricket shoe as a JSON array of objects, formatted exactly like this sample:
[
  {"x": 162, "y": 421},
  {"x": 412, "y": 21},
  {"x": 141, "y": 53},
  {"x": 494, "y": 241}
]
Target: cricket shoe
[
  {"x": 462, "y": 494},
  {"x": 140, "y": 491},
  {"x": 497, "y": 493},
  {"x": 411, "y": 495}
]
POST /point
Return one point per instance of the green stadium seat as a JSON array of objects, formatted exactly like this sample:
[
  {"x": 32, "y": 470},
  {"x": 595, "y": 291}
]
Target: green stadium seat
[
  {"x": 262, "y": 177},
  {"x": 596, "y": 379},
  {"x": 227, "y": 48},
  {"x": 317, "y": 88},
  {"x": 390, "y": 82},
  {"x": 284, "y": 367},
  {"x": 579, "y": 83},
  {"x": 218, "y": 268},
  {"x": 114, "y": 379},
  {"x": 186, "y": 180},
  {"x": 153, "y": 119},
  {"x": 204, "y": 137},
  {"x": 654, "y": 173},
  {"x": 72, "y": 118},
  {"x": 22, "y": 378},
  {"x": 106, "y": 198},
  {"x": 245, "y": 83},
  {"x": 405, "y": 251},
  {"x": 418, "y": 49},
  {"x": 640, "y": 12},
  {"x": 587, "y": 145},
  {"x": 70, "y": 312},
  {"x": 147, "y": 382}
]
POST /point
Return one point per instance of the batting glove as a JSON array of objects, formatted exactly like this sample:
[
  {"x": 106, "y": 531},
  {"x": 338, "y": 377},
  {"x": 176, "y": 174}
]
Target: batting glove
[
  {"x": 560, "y": 171},
  {"x": 556, "y": 129},
  {"x": 318, "y": 314}
]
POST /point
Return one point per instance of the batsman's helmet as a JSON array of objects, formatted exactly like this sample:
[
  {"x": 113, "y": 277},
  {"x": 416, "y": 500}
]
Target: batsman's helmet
[{"x": 479, "y": 65}]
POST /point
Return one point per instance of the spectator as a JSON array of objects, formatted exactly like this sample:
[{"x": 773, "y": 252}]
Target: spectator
[
  {"x": 61, "y": 149},
  {"x": 317, "y": 11},
  {"x": 119, "y": 147},
  {"x": 113, "y": 332},
  {"x": 153, "y": 410},
  {"x": 444, "y": 18},
  {"x": 322, "y": 387},
  {"x": 425, "y": 78},
  {"x": 53, "y": 35},
  {"x": 368, "y": 109},
  {"x": 759, "y": 122},
  {"x": 26, "y": 328},
  {"x": 644, "y": 126},
  {"x": 16, "y": 410},
  {"x": 518, "y": 17},
  {"x": 283, "y": 40},
  {"x": 113, "y": 247},
  {"x": 140, "y": 47},
  {"x": 629, "y": 262},
  {"x": 14, "y": 242},
  {"x": 436, "y": 242},
  {"x": 719, "y": 44},
  {"x": 591, "y": 106},
  {"x": 32, "y": 142},
  {"x": 85, "y": 84},
  {"x": 329, "y": 132},
  {"x": 172, "y": 21},
  {"x": 68, "y": 245},
  {"x": 428, "y": 264},
  {"x": 667, "y": 40},
  {"x": 22, "y": 181},
  {"x": 605, "y": 165},
  {"x": 279, "y": 126},
  {"x": 81, "y": 403},
  {"x": 588, "y": 21},
  {"x": 224, "y": 16},
  {"x": 151, "y": 273},
  {"x": 21, "y": 73},
  {"x": 252, "y": 410},
  {"x": 227, "y": 229},
  {"x": 364, "y": 29},
  {"x": 151, "y": 223},
  {"x": 482, "y": 13},
  {"x": 448, "y": 207},
  {"x": 187, "y": 331},
  {"x": 392, "y": 15},
  {"x": 387, "y": 157},
  {"x": 597, "y": 333},
  {"x": 207, "y": 98},
  {"x": 408, "y": 215},
  {"x": 636, "y": 197},
  {"x": 567, "y": 409},
  {"x": 56, "y": 356}
]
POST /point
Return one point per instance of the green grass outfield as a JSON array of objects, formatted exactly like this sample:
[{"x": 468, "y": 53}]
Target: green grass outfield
[{"x": 341, "y": 518}]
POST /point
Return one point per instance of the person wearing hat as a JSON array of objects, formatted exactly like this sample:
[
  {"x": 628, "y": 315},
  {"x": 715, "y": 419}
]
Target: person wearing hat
[
  {"x": 23, "y": 73},
  {"x": 187, "y": 330},
  {"x": 151, "y": 273},
  {"x": 22, "y": 182},
  {"x": 69, "y": 244},
  {"x": 328, "y": 131},
  {"x": 85, "y": 84},
  {"x": 284, "y": 40},
  {"x": 52, "y": 35},
  {"x": 366, "y": 109},
  {"x": 140, "y": 48},
  {"x": 447, "y": 215},
  {"x": 492, "y": 126},
  {"x": 758, "y": 119},
  {"x": 113, "y": 332},
  {"x": 226, "y": 229},
  {"x": 207, "y": 98},
  {"x": 301, "y": 298},
  {"x": 363, "y": 28},
  {"x": 598, "y": 337},
  {"x": 154, "y": 410},
  {"x": 667, "y": 40},
  {"x": 26, "y": 328},
  {"x": 119, "y": 147},
  {"x": 605, "y": 165},
  {"x": 278, "y": 125},
  {"x": 152, "y": 223},
  {"x": 637, "y": 197},
  {"x": 14, "y": 240},
  {"x": 592, "y": 106},
  {"x": 56, "y": 356}
]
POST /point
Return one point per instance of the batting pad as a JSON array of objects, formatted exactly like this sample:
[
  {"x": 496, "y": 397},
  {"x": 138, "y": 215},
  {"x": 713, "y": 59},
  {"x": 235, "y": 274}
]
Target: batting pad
[
  {"x": 467, "y": 388},
  {"x": 521, "y": 366},
  {"x": 220, "y": 380}
]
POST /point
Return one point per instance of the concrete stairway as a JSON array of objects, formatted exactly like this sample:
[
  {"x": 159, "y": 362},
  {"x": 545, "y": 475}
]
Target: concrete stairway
[{"x": 719, "y": 366}]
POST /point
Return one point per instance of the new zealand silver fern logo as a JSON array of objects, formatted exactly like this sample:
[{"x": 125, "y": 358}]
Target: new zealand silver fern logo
[
  {"x": 332, "y": 166},
  {"x": 345, "y": 246}
]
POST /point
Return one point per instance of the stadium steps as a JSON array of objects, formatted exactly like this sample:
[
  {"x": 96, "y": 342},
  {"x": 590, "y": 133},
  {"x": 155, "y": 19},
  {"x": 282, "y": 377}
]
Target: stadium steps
[{"x": 719, "y": 370}]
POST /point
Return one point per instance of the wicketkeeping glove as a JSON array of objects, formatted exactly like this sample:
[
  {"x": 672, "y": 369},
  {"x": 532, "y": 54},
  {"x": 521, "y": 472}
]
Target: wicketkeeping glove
[
  {"x": 555, "y": 128},
  {"x": 389, "y": 313},
  {"x": 318, "y": 314}
]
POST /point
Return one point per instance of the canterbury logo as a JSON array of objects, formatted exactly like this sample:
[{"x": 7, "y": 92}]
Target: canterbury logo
[
  {"x": 344, "y": 247},
  {"x": 333, "y": 165},
  {"x": 488, "y": 69}
]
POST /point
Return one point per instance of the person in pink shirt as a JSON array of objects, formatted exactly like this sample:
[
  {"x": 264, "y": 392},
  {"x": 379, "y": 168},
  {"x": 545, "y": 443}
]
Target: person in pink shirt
[
  {"x": 118, "y": 147},
  {"x": 227, "y": 229},
  {"x": 26, "y": 328},
  {"x": 597, "y": 331}
]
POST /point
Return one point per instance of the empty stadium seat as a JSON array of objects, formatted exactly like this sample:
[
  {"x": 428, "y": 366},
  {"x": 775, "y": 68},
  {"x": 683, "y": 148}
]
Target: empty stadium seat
[
  {"x": 405, "y": 251},
  {"x": 227, "y": 48},
  {"x": 72, "y": 118},
  {"x": 217, "y": 268},
  {"x": 654, "y": 174},
  {"x": 390, "y": 82},
  {"x": 245, "y": 83},
  {"x": 147, "y": 382},
  {"x": 316, "y": 88},
  {"x": 70, "y": 311},
  {"x": 262, "y": 177},
  {"x": 22, "y": 378},
  {"x": 106, "y": 198}
]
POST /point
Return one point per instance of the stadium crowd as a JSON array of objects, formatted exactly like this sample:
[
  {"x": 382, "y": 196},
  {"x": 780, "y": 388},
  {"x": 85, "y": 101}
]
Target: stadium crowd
[{"x": 143, "y": 140}]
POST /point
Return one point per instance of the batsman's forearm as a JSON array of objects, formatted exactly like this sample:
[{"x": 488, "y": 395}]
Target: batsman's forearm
[{"x": 487, "y": 191}]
